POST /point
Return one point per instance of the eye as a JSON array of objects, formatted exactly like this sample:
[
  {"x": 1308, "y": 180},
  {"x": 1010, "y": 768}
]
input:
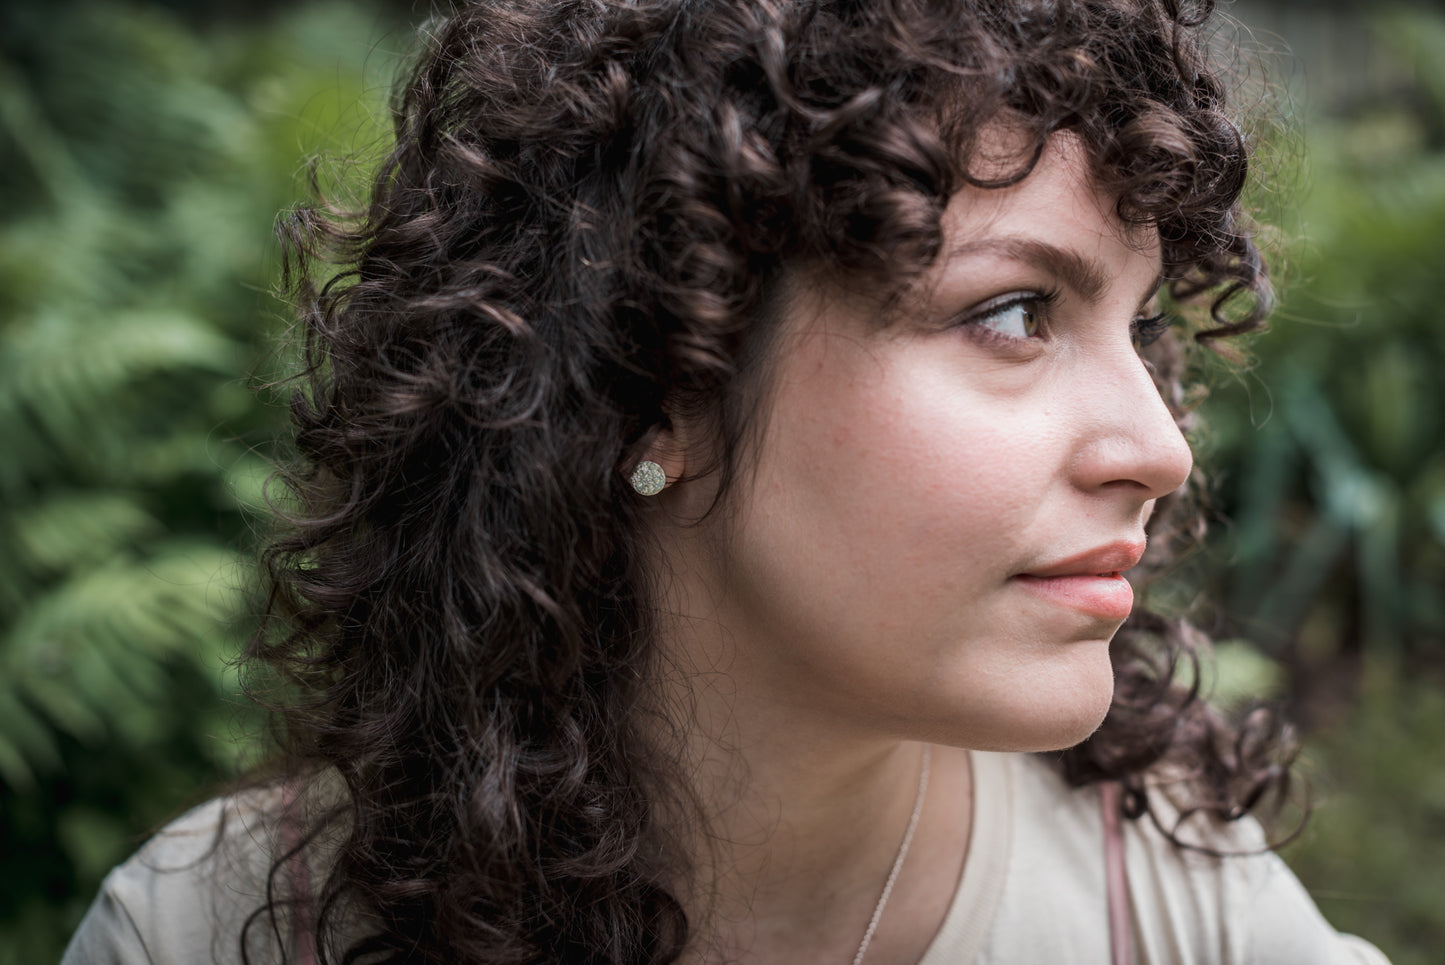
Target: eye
[
  {"x": 1146, "y": 331},
  {"x": 1017, "y": 317}
]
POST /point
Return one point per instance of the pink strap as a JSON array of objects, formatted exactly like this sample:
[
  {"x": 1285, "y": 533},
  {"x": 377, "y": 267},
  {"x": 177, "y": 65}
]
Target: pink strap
[
  {"x": 303, "y": 933},
  {"x": 1116, "y": 878}
]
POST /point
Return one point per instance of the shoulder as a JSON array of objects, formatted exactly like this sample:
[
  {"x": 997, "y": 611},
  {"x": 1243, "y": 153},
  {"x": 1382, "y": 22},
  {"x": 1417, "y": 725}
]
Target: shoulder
[
  {"x": 187, "y": 894},
  {"x": 1186, "y": 907}
]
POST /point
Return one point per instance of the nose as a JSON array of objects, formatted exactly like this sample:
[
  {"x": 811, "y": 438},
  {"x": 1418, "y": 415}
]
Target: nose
[{"x": 1130, "y": 442}]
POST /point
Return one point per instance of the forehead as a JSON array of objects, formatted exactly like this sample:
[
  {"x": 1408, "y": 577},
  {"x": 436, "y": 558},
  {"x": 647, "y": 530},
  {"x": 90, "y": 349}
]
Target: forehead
[
  {"x": 1056, "y": 220},
  {"x": 1059, "y": 202}
]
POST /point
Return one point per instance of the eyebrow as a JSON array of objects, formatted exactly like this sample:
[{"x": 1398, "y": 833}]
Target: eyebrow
[{"x": 1083, "y": 275}]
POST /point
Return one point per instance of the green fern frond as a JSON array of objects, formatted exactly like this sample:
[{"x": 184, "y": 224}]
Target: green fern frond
[
  {"x": 72, "y": 388},
  {"x": 89, "y": 657},
  {"x": 73, "y": 530},
  {"x": 27, "y": 743}
]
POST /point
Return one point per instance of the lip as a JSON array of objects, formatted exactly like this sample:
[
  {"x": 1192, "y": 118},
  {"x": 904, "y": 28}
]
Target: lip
[
  {"x": 1111, "y": 559},
  {"x": 1092, "y": 581}
]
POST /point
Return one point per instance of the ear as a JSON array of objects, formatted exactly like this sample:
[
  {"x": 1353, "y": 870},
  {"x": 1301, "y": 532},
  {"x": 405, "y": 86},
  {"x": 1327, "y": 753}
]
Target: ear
[{"x": 664, "y": 447}]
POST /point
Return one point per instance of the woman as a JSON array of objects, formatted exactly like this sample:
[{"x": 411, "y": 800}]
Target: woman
[{"x": 720, "y": 454}]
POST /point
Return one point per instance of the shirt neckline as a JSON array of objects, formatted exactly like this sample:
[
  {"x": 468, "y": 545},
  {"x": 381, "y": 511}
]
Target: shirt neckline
[{"x": 970, "y": 915}]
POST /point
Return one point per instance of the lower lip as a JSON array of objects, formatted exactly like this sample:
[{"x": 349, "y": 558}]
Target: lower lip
[{"x": 1107, "y": 597}]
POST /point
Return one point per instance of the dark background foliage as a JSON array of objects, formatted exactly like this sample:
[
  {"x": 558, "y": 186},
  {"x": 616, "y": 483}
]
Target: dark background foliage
[{"x": 144, "y": 149}]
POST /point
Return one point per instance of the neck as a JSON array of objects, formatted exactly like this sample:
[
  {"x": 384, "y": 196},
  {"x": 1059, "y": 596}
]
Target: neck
[
  {"x": 805, "y": 789},
  {"x": 803, "y": 820}
]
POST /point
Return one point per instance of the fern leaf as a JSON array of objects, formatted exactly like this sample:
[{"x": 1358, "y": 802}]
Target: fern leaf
[
  {"x": 89, "y": 656},
  {"x": 26, "y": 743},
  {"x": 54, "y": 398},
  {"x": 71, "y": 530}
]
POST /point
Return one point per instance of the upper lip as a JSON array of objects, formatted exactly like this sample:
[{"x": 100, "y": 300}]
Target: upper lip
[{"x": 1103, "y": 560}]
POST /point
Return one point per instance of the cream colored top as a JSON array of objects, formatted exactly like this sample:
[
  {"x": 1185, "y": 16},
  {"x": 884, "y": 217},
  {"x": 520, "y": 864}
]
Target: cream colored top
[{"x": 1032, "y": 890}]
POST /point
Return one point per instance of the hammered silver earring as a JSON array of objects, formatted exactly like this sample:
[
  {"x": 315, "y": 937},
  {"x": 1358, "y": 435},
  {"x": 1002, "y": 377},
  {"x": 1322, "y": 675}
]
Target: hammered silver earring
[{"x": 648, "y": 479}]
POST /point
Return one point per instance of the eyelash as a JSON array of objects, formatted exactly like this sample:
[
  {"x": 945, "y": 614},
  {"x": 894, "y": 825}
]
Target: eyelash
[
  {"x": 1146, "y": 331},
  {"x": 1143, "y": 331},
  {"x": 1043, "y": 300}
]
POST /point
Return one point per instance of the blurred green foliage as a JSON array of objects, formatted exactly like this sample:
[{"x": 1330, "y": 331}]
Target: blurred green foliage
[
  {"x": 1372, "y": 852},
  {"x": 1332, "y": 449},
  {"x": 1330, "y": 458},
  {"x": 143, "y": 158},
  {"x": 144, "y": 161}
]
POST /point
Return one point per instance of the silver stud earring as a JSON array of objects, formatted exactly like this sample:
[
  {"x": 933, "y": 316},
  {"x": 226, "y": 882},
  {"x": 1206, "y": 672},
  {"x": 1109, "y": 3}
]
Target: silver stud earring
[{"x": 648, "y": 479}]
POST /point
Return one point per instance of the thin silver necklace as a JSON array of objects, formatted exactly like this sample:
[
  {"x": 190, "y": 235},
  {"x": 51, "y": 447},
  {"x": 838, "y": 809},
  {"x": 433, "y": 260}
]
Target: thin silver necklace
[{"x": 897, "y": 861}]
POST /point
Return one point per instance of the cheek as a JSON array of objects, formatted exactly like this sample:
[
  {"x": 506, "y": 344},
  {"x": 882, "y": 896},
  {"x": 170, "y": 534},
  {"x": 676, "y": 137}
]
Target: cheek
[
  {"x": 920, "y": 457},
  {"x": 901, "y": 477},
  {"x": 872, "y": 552}
]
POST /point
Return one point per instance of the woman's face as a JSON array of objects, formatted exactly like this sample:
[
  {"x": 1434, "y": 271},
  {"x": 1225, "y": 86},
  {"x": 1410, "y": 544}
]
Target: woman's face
[{"x": 929, "y": 545}]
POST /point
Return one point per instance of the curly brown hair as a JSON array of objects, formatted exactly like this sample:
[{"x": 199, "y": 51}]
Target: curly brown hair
[{"x": 581, "y": 227}]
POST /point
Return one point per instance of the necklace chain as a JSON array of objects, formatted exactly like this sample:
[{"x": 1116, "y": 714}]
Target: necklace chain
[{"x": 898, "y": 860}]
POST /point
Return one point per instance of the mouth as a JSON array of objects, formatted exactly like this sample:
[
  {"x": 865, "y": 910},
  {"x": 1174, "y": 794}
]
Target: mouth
[
  {"x": 1091, "y": 582},
  {"x": 1108, "y": 560}
]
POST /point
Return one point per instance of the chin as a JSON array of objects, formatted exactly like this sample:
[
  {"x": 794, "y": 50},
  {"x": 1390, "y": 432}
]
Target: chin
[
  {"x": 1053, "y": 718},
  {"x": 1055, "y": 735},
  {"x": 1088, "y": 713},
  {"x": 1075, "y": 733}
]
